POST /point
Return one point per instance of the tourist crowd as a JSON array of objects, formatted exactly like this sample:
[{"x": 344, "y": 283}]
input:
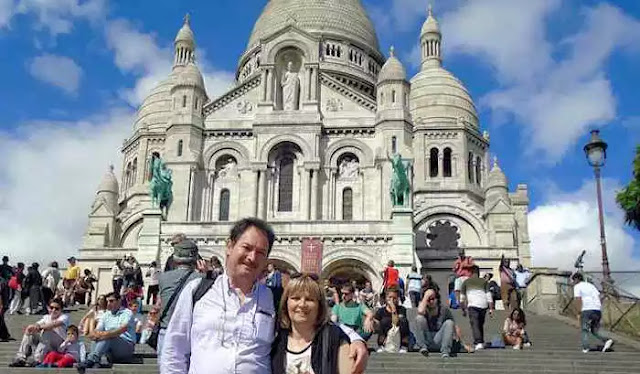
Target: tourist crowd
[{"x": 252, "y": 317}]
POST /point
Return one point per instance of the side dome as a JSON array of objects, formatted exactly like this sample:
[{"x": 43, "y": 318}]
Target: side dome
[
  {"x": 496, "y": 178},
  {"x": 190, "y": 76},
  {"x": 344, "y": 19},
  {"x": 156, "y": 108},
  {"x": 392, "y": 70},
  {"x": 438, "y": 94},
  {"x": 109, "y": 182}
]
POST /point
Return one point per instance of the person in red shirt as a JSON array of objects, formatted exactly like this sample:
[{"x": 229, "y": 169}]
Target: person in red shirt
[
  {"x": 390, "y": 277},
  {"x": 462, "y": 267}
]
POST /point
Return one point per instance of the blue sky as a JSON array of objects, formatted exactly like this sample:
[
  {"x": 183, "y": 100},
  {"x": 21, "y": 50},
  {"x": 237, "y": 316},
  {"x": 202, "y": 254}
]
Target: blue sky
[{"x": 542, "y": 73}]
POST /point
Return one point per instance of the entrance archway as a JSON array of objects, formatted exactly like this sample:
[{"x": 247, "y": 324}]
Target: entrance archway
[{"x": 344, "y": 271}]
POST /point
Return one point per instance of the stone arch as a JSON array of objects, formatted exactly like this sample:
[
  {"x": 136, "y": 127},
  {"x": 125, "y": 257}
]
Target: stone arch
[
  {"x": 303, "y": 47},
  {"x": 130, "y": 235},
  {"x": 358, "y": 148},
  {"x": 474, "y": 222},
  {"x": 285, "y": 138},
  {"x": 349, "y": 269},
  {"x": 363, "y": 256},
  {"x": 235, "y": 149},
  {"x": 283, "y": 264}
]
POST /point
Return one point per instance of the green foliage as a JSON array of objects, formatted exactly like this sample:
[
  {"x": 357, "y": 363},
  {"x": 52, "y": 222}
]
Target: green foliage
[{"x": 629, "y": 198}]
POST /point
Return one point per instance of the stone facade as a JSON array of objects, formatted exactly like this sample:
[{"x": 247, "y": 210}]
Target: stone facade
[{"x": 320, "y": 169}]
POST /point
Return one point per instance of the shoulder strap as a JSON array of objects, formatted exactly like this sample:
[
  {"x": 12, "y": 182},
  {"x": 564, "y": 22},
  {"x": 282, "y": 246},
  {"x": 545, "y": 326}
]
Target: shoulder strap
[
  {"x": 175, "y": 294},
  {"x": 203, "y": 288},
  {"x": 325, "y": 350}
]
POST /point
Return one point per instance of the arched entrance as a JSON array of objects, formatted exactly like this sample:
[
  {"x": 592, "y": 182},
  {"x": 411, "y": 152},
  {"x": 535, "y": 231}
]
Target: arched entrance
[
  {"x": 344, "y": 271},
  {"x": 283, "y": 266}
]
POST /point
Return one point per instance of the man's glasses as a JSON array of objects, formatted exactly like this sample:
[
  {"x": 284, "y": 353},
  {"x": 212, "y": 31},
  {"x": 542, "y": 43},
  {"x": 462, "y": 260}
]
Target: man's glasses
[
  {"x": 54, "y": 307},
  {"x": 346, "y": 293},
  {"x": 112, "y": 300}
]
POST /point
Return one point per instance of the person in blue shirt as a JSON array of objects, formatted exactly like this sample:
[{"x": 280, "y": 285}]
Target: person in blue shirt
[{"x": 115, "y": 335}]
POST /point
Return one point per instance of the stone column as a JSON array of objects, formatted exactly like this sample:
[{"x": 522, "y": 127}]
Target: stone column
[
  {"x": 262, "y": 189},
  {"x": 309, "y": 84},
  {"x": 270, "y": 85},
  {"x": 314, "y": 193},
  {"x": 305, "y": 201},
  {"x": 314, "y": 84},
  {"x": 265, "y": 84},
  {"x": 255, "y": 183},
  {"x": 332, "y": 193}
]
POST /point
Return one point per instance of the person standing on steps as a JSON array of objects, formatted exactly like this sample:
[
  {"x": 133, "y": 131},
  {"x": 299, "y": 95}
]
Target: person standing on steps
[
  {"x": 588, "y": 301},
  {"x": 476, "y": 299}
]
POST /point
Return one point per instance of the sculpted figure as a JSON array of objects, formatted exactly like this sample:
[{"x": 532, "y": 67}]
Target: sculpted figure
[
  {"x": 161, "y": 184},
  {"x": 290, "y": 89}
]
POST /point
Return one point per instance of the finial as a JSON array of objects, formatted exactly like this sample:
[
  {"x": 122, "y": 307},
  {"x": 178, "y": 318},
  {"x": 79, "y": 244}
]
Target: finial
[
  {"x": 392, "y": 50},
  {"x": 430, "y": 9},
  {"x": 187, "y": 19},
  {"x": 110, "y": 168},
  {"x": 495, "y": 162}
]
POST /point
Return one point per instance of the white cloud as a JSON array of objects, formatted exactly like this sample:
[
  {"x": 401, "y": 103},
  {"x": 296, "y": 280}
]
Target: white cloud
[
  {"x": 567, "y": 223},
  {"x": 141, "y": 54},
  {"x": 556, "y": 99},
  {"x": 57, "y": 16},
  {"x": 59, "y": 71},
  {"x": 48, "y": 180},
  {"x": 7, "y": 9}
]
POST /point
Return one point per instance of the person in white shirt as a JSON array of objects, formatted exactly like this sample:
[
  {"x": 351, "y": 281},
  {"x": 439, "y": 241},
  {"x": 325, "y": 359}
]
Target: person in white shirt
[
  {"x": 588, "y": 301},
  {"x": 152, "y": 291},
  {"x": 231, "y": 327},
  {"x": 42, "y": 337}
]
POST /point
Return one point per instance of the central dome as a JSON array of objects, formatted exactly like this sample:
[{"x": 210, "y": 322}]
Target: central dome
[{"x": 339, "y": 18}]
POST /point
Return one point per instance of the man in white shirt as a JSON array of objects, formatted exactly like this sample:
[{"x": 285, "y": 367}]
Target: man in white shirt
[
  {"x": 588, "y": 301},
  {"x": 42, "y": 337},
  {"x": 231, "y": 328}
]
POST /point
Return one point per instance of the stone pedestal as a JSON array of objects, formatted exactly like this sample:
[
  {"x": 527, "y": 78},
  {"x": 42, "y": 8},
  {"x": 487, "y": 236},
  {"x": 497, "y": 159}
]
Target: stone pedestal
[
  {"x": 149, "y": 238},
  {"x": 402, "y": 249}
]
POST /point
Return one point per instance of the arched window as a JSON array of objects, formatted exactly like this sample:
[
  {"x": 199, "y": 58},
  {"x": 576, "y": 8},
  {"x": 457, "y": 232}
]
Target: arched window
[
  {"x": 134, "y": 171},
  {"x": 347, "y": 204},
  {"x": 446, "y": 163},
  {"x": 393, "y": 96},
  {"x": 195, "y": 105},
  {"x": 394, "y": 145},
  {"x": 225, "y": 199},
  {"x": 285, "y": 185},
  {"x": 184, "y": 101},
  {"x": 180, "y": 144},
  {"x": 381, "y": 97},
  {"x": 433, "y": 162},
  {"x": 470, "y": 167},
  {"x": 478, "y": 170}
]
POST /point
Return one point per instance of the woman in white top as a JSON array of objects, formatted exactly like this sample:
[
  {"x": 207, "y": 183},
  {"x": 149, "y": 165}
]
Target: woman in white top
[
  {"x": 90, "y": 320},
  {"x": 307, "y": 343}
]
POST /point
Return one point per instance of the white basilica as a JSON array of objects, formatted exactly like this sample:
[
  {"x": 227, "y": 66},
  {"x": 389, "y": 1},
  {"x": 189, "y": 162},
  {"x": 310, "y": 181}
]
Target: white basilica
[{"x": 304, "y": 141}]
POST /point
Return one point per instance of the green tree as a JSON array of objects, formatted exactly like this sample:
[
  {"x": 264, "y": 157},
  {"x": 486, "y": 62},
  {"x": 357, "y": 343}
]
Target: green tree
[{"x": 629, "y": 198}]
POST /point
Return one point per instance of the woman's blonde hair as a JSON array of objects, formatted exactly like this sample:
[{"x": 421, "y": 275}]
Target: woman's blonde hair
[{"x": 303, "y": 285}]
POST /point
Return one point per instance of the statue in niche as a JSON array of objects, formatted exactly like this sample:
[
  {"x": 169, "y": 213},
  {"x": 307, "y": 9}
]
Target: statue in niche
[
  {"x": 348, "y": 168},
  {"x": 228, "y": 169},
  {"x": 290, "y": 88}
]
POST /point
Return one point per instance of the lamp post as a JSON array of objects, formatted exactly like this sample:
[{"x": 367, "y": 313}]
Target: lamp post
[{"x": 596, "y": 151}]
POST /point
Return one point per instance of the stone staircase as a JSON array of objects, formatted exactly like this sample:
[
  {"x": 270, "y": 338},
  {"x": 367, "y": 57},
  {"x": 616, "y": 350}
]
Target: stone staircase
[{"x": 556, "y": 349}]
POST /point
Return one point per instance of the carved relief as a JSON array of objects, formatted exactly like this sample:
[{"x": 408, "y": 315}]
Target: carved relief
[
  {"x": 244, "y": 107},
  {"x": 348, "y": 168},
  {"x": 334, "y": 104}
]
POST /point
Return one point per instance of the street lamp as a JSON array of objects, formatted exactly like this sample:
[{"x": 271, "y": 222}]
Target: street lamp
[{"x": 596, "y": 151}]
